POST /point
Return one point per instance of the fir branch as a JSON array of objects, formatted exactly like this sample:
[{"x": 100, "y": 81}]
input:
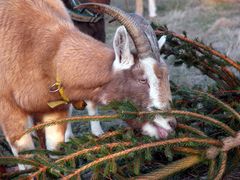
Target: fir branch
[
  {"x": 79, "y": 153},
  {"x": 107, "y": 135},
  {"x": 12, "y": 175},
  {"x": 50, "y": 165},
  {"x": 187, "y": 150},
  {"x": 65, "y": 120},
  {"x": 229, "y": 91},
  {"x": 110, "y": 117},
  {"x": 8, "y": 160},
  {"x": 218, "y": 75},
  {"x": 191, "y": 129},
  {"x": 202, "y": 46},
  {"x": 212, "y": 169},
  {"x": 231, "y": 76},
  {"x": 93, "y": 149},
  {"x": 223, "y": 159},
  {"x": 35, "y": 175},
  {"x": 207, "y": 119},
  {"x": 42, "y": 152},
  {"x": 141, "y": 147},
  {"x": 111, "y": 134},
  {"x": 172, "y": 168},
  {"x": 220, "y": 103}
]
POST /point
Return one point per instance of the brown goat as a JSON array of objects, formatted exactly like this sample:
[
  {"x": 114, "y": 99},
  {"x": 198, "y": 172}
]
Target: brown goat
[
  {"x": 96, "y": 30},
  {"x": 40, "y": 45}
]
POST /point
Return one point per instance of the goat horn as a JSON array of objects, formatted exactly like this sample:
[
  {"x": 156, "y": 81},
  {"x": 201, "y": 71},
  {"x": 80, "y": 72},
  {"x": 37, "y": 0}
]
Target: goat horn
[
  {"x": 139, "y": 38},
  {"x": 149, "y": 32}
]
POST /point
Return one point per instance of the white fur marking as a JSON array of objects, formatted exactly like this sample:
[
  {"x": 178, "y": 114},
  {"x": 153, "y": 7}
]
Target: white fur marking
[
  {"x": 150, "y": 130},
  {"x": 122, "y": 50},
  {"x": 162, "y": 122},
  {"x": 54, "y": 135},
  {"x": 25, "y": 143},
  {"x": 152, "y": 8},
  {"x": 68, "y": 132},
  {"x": 31, "y": 124},
  {"x": 96, "y": 128},
  {"x": 123, "y": 65},
  {"x": 148, "y": 65}
]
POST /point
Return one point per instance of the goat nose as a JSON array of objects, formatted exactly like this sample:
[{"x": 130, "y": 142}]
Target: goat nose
[{"x": 172, "y": 124}]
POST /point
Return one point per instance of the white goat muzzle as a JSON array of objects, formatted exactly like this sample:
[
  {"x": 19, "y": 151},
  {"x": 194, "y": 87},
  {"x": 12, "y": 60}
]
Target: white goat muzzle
[{"x": 160, "y": 128}]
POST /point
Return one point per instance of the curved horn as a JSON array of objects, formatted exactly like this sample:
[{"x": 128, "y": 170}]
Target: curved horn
[
  {"x": 149, "y": 32},
  {"x": 139, "y": 38},
  {"x": 77, "y": 17}
]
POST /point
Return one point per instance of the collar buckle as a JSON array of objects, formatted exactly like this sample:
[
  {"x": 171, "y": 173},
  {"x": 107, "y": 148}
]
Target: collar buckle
[{"x": 55, "y": 87}]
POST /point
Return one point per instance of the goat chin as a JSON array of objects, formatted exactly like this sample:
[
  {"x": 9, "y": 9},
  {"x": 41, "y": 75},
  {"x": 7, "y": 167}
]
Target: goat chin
[{"x": 160, "y": 128}]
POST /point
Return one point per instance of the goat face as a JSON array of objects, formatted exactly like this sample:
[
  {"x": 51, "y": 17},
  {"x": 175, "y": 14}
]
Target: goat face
[{"x": 143, "y": 81}]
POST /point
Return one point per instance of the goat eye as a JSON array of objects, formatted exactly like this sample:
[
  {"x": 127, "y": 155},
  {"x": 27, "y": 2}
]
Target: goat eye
[{"x": 143, "y": 81}]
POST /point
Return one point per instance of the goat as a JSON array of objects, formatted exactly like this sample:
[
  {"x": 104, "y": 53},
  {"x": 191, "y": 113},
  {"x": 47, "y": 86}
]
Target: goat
[
  {"x": 95, "y": 29},
  {"x": 41, "y": 46}
]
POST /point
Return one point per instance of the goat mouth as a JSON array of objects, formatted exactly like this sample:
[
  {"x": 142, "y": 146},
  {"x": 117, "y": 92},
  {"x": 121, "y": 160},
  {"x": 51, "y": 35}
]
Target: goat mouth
[
  {"x": 162, "y": 132},
  {"x": 155, "y": 131},
  {"x": 160, "y": 127}
]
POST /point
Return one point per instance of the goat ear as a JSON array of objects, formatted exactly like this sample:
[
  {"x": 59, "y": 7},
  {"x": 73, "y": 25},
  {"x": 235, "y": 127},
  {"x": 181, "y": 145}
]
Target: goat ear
[
  {"x": 123, "y": 57},
  {"x": 162, "y": 41}
]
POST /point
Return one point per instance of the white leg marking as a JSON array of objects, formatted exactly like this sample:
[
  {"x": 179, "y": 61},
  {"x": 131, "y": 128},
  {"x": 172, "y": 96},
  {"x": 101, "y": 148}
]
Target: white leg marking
[
  {"x": 54, "y": 137},
  {"x": 54, "y": 134},
  {"x": 96, "y": 128},
  {"x": 25, "y": 143},
  {"x": 152, "y": 8},
  {"x": 30, "y": 124},
  {"x": 68, "y": 132}
]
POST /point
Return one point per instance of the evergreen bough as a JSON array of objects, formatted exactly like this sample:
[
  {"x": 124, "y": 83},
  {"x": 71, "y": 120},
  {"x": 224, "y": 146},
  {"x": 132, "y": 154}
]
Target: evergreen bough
[{"x": 207, "y": 121}]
